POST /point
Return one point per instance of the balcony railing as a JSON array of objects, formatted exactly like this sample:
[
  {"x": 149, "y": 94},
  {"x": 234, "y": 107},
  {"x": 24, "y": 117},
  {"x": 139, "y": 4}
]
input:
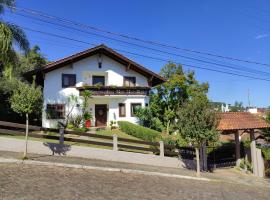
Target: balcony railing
[{"x": 115, "y": 90}]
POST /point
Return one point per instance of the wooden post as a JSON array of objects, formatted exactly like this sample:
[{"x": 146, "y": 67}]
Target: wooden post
[
  {"x": 26, "y": 137},
  {"x": 115, "y": 141},
  {"x": 161, "y": 148},
  {"x": 237, "y": 148},
  {"x": 198, "y": 174}
]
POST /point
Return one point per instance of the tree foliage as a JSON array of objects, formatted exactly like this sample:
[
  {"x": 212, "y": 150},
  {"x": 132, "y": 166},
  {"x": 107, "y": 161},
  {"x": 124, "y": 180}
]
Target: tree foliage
[
  {"x": 11, "y": 77},
  {"x": 32, "y": 60},
  {"x": 11, "y": 35},
  {"x": 20, "y": 64},
  {"x": 26, "y": 98},
  {"x": 167, "y": 98},
  {"x": 198, "y": 121},
  {"x": 266, "y": 132}
]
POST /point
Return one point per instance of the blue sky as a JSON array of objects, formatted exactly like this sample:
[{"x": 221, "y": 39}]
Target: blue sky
[{"x": 231, "y": 28}]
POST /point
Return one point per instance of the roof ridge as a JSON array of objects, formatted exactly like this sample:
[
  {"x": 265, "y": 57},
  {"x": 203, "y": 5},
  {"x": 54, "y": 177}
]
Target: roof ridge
[{"x": 113, "y": 54}]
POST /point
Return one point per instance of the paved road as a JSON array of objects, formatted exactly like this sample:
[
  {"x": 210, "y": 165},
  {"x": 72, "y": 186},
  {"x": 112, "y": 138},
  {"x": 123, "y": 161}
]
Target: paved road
[{"x": 19, "y": 181}]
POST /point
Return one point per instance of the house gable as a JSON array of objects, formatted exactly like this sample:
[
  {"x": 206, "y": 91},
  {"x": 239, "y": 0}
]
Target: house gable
[
  {"x": 129, "y": 65},
  {"x": 85, "y": 69}
]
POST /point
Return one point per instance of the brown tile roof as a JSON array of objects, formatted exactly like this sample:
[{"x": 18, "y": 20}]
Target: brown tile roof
[
  {"x": 103, "y": 49},
  {"x": 241, "y": 121}
]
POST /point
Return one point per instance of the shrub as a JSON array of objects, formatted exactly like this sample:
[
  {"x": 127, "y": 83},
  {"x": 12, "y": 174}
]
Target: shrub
[
  {"x": 141, "y": 132},
  {"x": 266, "y": 153},
  {"x": 81, "y": 129},
  {"x": 87, "y": 116},
  {"x": 174, "y": 140},
  {"x": 113, "y": 124},
  {"x": 76, "y": 121},
  {"x": 246, "y": 165}
]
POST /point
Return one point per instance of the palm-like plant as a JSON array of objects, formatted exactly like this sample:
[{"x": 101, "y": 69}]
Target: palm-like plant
[{"x": 10, "y": 35}]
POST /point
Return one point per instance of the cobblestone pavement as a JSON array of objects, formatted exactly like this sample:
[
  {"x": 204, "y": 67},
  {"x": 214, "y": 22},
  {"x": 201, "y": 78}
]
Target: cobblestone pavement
[
  {"x": 18, "y": 181},
  {"x": 227, "y": 175}
]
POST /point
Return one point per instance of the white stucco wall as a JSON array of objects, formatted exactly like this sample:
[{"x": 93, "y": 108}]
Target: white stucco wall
[
  {"x": 113, "y": 107},
  {"x": 114, "y": 73}
]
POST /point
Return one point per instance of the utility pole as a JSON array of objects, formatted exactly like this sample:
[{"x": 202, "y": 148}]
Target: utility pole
[{"x": 248, "y": 99}]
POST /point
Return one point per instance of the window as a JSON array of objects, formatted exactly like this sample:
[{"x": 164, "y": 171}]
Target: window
[
  {"x": 129, "y": 81},
  {"x": 68, "y": 80},
  {"x": 98, "y": 80},
  {"x": 134, "y": 107},
  {"x": 55, "y": 111},
  {"x": 122, "y": 109}
]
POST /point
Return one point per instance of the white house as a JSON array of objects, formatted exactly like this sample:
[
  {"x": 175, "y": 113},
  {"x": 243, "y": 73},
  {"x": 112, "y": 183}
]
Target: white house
[{"x": 118, "y": 85}]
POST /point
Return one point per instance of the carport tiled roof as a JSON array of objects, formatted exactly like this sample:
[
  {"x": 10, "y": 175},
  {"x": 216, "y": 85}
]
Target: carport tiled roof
[{"x": 241, "y": 121}]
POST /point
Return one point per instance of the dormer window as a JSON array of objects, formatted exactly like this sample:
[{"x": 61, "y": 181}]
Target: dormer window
[
  {"x": 68, "y": 80},
  {"x": 129, "y": 81}
]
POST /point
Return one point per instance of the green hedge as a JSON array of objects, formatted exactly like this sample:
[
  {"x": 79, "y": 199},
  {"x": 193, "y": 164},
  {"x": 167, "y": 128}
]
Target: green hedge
[{"x": 141, "y": 132}]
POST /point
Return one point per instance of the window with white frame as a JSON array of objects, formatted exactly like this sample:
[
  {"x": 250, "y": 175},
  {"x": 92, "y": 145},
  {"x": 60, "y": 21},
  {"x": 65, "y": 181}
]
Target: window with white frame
[{"x": 55, "y": 111}]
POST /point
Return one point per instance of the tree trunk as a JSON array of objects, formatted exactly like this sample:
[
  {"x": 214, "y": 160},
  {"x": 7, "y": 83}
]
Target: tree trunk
[
  {"x": 26, "y": 137},
  {"x": 168, "y": 128},
  {"x": 198, "y": 162}
]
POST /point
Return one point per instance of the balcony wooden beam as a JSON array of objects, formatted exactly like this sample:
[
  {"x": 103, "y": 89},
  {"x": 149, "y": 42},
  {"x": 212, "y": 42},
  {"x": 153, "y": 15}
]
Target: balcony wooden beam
[{"x": 112, "y": 90}]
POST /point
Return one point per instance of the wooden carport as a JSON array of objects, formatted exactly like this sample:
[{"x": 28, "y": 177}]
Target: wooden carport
[{"x": 234, "y": 122}]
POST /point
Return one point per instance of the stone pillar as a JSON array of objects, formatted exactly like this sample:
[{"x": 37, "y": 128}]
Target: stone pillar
[
  {"x": 161, "y": 148},
  {"x": 115, "y": 142},
  {"x": 237, "y": 148},
  {"x": 253, "y": 153},
  {"x": 260, "y": 162}
]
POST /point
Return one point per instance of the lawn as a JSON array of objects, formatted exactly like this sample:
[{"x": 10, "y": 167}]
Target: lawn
[{"x": 118, "y": 132}]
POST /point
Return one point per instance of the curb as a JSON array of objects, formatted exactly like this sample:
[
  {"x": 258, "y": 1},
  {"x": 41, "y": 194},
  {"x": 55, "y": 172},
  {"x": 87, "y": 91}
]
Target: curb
[{"x": 108, "y": 169}]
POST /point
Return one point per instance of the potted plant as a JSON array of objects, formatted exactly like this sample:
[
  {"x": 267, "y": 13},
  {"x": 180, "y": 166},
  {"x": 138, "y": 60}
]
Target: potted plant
[
  {"x": 113, "y": 124},
  {"x": 87, "y": 118}
]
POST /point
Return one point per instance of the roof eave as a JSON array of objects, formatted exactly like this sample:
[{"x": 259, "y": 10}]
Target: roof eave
[{"x": 157, "y": 79}]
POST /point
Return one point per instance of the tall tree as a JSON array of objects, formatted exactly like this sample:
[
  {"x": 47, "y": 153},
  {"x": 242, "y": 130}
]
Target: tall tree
[
  {"x": 10, "y": 35},
  {"x": 167, "y": 98},
  {"x": 197, "y": 123},
  {"x": 32, "y": 60},
  {"x": 25, "y": 100}
]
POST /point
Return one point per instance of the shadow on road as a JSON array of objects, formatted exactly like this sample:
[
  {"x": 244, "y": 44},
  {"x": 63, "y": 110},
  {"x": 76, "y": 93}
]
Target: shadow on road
[{"x": 59, "y": 149}]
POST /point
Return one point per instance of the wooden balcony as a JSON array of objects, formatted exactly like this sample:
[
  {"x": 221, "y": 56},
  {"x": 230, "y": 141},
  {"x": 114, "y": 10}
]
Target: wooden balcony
[{"x": 115, "y": 90}]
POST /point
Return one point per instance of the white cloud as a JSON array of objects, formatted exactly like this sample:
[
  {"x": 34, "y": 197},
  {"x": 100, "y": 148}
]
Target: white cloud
[{"x": 261, "y": 36}]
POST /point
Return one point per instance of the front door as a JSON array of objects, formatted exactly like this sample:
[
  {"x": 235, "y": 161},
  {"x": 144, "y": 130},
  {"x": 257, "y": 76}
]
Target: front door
[{"x": 101, "y": 114}]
